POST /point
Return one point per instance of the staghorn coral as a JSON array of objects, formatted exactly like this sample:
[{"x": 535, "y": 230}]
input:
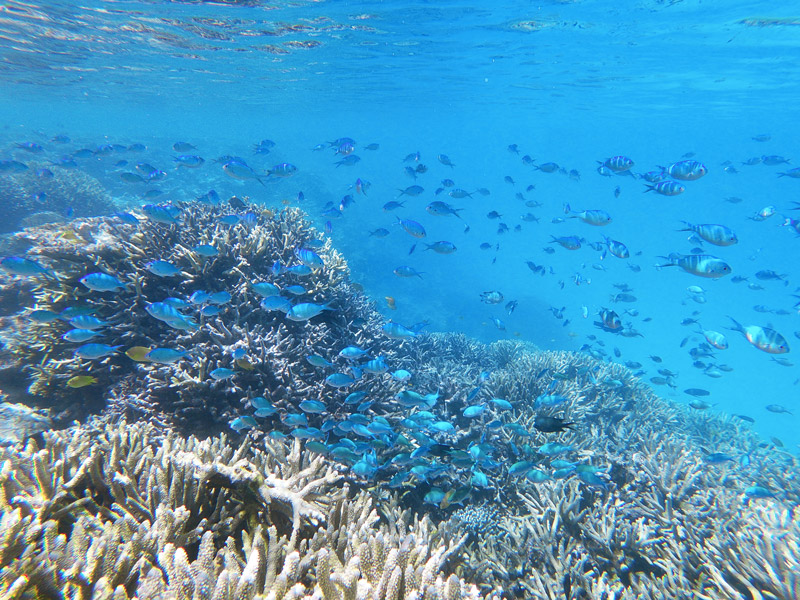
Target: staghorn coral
[
  {"x": 119, "y": 511},
  {"x": 67, "y": 191},
  {"x": 184, "y": 393},
  {"x": 647, "y": 515}
]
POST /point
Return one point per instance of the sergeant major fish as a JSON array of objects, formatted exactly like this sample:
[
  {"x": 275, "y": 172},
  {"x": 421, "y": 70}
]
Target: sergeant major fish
[
  {"x": 765, "y": 339},
  {"x": 702, "y": 265},
  {"x": 719, "y": 235}
]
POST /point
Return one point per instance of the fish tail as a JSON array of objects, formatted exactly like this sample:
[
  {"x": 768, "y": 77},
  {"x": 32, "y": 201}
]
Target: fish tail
[
  {"x": 736, "y": 325},
  {"x": 650, "y": 188},
  {"x": 671, "y": 263},
  {"x": 688, "y": 227},
  {"x": 567, "y": 209}
]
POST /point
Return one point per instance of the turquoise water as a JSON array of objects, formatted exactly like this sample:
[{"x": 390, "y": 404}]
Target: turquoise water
[{"x": 568, "y": 82}]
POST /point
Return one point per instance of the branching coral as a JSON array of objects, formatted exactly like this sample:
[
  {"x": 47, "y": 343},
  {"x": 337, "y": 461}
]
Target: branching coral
[
  {"x": 526, "y": 473},
  {"x": 118, "y": 511}
]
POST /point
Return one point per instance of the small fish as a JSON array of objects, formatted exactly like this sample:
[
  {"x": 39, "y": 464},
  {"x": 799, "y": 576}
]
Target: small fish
[
  {"x": 318, "y": 361},
  {"x": 442, "y": 247},
  {"x": 777, "y": 408},
  {"x": 551, "y": 424},
  {"x": 102, "y": 282},
  {"x": 445, "y": 160},
  {"x": 719, "y": 235},
  {"x": 413, "y": 228},
  {"x": 79, "y": 381},
  {"x": 43, "y": 316},
  {"x": 241, "y": 423},
  {"x": 618, "y": 164},
  {"x": 686, "y": 170},
  {"x": 162, "y": 268},
  {"x": 205, "y": 250},
  {"x": 397, "y": 331},
  {"x": 138, "y": 353},
  {"x": 339, "y": 380},
  {"x": 553, "y": 448},
  {"x": 569, "y": 242},
  {"x": 312, "y": 406},
  {"x": 702, "y": 265},
  {"x": 22, "y": 267},
  {"x": 666, "y": 188},
  {"x": 764, "y": 338},
  {"x": 79, "y": 336},
  {"x": 221, "y": 373},
  {"x": 164, "y": 356},
  {"x": 95, "y": 351},
  {"x": 305, "y": 311},
  {"x": 406, "y": 271},
  {"x": 697, "y": 392}
]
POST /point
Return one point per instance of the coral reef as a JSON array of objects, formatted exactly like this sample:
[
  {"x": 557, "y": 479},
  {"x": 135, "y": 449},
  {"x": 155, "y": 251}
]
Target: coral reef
[
  {"x": 184, "y": 393},
  {"x": 30, "y": 199},
  {"x": 484, "y": 471},
  {"x": 103, "y": 511}
]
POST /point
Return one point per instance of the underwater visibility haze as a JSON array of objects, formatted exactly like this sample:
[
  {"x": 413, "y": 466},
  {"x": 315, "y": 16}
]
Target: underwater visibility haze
[{"x": 399, "y": 299}]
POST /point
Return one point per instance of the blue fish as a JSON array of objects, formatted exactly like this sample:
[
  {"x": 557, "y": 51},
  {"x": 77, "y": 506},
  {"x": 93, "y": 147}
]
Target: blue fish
[
  {"x": 309, "y": 258},
  {"x": 339, "y": 380},
  {"x": 276, "y": 303},
  {"x": 312, "y": 406},
  {"x": 221, "y": 373},
  {"x": 266, "y": 289},
  {"x": 242, "y": 423},
  {"x": 397, "y": 331},
  {"x": 43, "y": 316},
  {"x": 87, "y": 322},
  {"x": 375, "y": 366},
  {"x": 189, "y": 160},
  {"x": 166, "y": 214},
  {"x": 102, "y": 282},
  {"x": 318, "y": 361},
  {"x": 162, "y": 268},
  {"x": 299, "y": 270},
  {"x": 95, "y": 351},
  {"x": 305, "y": 433},
  {"x": 292, "y": 419},
  {"x": 199, "y": 297},
  {"x": 305, "y": 311},
  {"x": 205, "y": 250},
  {"x": 352, "y": 353},
  {"x": 23, "y": 267},
  {"x": 163, "y": 312},
  {"x": 79, "y": 335},
  {"x": 219, "y": 298},
  {"x": 165, "y": 356}
]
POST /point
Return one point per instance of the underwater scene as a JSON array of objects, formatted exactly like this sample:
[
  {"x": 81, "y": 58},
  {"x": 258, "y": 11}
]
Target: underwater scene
[{"x": 422, "y": 300}]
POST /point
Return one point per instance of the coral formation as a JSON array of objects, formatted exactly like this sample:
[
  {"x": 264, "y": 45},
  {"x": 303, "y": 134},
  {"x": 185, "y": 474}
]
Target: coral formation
[
  {"x": 104, "y": 511},
  {"x": 496, "y": 471},
  {"x": 184, "y": 392},
  {"x": 30, "y": 199}
]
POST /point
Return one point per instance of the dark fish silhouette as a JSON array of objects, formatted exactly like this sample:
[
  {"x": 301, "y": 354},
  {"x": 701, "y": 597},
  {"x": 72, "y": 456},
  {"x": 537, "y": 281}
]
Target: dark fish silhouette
[{"x": 551, "y": 424}]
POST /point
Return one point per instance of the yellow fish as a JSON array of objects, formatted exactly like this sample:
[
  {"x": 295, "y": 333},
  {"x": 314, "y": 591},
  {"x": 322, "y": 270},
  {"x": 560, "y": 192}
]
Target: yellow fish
[
  {"x": 70, "y": 236},
  {"x": 244, "y": 363},
  {"x": 137, "y": 353},
  {"x": 80, "y": 381}
]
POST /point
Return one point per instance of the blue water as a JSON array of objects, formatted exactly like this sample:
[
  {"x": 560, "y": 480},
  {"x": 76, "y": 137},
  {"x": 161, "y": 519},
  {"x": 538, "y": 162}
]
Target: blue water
[{"x": 569, "y": 82}]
